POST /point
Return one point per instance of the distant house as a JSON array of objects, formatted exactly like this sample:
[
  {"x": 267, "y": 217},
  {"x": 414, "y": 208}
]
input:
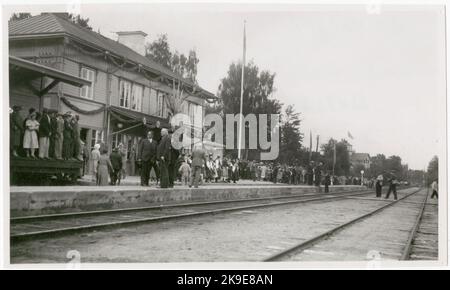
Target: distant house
[
  {"x": 360, "y": 159},
  {"x": 127, "y": 92}
]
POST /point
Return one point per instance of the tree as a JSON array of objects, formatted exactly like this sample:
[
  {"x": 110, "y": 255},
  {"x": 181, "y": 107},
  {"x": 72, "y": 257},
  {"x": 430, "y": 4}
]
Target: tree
[
  {"x": 433, "y": 170},
  {"x": 394, "y": 165},
  {"x": 78, "y": 20},
  {"x": 416, "y": 177},
  {"x": 355, "y": 170},
  {"x": 342, "y": 166},
  {"x": 20, "y": 16},
  {"x": 291, "y": 138},
  {"x": 159, "y": 51},
  {"x": 377, "y": 165},
  {"x": 185, "y": 66},
  {"x": 258, "y": 89}
]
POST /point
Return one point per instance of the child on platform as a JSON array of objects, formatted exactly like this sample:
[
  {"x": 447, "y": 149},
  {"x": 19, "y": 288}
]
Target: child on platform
[{"x": 185, "y": 171}]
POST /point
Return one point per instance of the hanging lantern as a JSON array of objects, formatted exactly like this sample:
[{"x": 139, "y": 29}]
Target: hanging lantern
[{"x": 119, "y": 125}]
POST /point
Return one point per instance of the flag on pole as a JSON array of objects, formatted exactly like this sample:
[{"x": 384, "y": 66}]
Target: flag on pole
[{"x": 349, "y": 135}]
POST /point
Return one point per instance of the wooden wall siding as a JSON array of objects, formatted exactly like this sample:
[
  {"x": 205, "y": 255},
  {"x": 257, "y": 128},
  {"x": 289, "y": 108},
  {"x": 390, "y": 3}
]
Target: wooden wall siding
[
  {"x": 33, "y": 48},
  {"x": 24, "y": 98},
  {"x": 100, "y": 89},
  {"x": 146, "y": 101},
  {"x": 72, "y": 68},
  {"x": 134, "y": 77},
  {"x": 196, "y": 100},
  {"x": 89, "y": 121},
  {"x": 96, "y": 62},
  {"x": 50, "y": 101},
  {"x": 114, "y": 91},
  {"x": 153, "y": 106}
]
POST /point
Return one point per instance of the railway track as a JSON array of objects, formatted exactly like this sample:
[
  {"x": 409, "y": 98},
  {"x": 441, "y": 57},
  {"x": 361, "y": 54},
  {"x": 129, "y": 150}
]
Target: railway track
[
  {"x": 42, "y": 226},
  {"x": 423, "y": 240},
  {"x": 298, "y": 249}
]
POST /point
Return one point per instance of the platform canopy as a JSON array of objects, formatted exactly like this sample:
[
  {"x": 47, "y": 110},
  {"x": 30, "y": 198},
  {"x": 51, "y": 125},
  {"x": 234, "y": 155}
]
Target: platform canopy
[
  {"x": 24, "y": 71},
  {"x": 132, "y": 122}
]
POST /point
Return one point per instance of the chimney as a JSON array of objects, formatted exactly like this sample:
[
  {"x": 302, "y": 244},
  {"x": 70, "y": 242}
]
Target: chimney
[{"x": 133, "y": 39}]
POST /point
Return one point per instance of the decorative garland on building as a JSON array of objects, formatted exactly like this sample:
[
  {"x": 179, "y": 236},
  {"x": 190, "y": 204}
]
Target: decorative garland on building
[
  {"x": 81, "y": 111},
  {"x": 122, "y": 120},
  {"x": 84, "y": 51}
]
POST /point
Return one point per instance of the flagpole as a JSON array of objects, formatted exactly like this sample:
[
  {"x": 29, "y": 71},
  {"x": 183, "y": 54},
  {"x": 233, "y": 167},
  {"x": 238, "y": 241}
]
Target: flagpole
[
  {"x": 242, "y": 97},
  {"x": 317, "y": 144},
  {"x": 310, "y": 145},
  {"x": 334, "y": 156}
]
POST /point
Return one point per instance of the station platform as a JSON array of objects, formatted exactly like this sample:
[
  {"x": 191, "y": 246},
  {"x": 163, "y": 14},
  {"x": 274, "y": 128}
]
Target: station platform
[{"x": 35, "y": 200}]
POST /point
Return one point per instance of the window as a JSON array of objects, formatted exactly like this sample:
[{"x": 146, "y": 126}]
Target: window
[
  {"x": 132, "y": 147},
  {"x": 87, "y": 91},
  {"x": 136, "y": 98},
  {"x": 117, "y": 139},
  {"x": 125, "y": 94},
  {"x": 97, "y": 137},
  {"x": 161, "y": 104}
]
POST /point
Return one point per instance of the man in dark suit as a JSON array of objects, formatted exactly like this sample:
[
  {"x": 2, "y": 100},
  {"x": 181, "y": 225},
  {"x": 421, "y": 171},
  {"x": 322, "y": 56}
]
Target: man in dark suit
[
  {"x": 116, "y": 162},
  {"x": 76, "y": 137},
  {"x": 173, "y": 165},
  {"x": 67, "y": 152},
  {"x": 147, "y": 154},
  {"x": 157, "y": 132},
  {"x": 16, "y": 130},
  {"x": 164, "y": 157},
  {"x": 392, "y": 187},
  {"x": 53, "y": 133},
  {"x": 44, "y": 134}
]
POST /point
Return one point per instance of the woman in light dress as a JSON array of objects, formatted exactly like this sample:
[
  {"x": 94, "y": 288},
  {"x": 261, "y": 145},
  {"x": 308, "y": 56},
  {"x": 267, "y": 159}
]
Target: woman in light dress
[
  {"x": 225, "y": 176},
  {"x": 30, "y": 137},
  {"x": 104, "y": 168},
  {"x": 95, "y": 156},
  {"x": 123, "y": 152}
]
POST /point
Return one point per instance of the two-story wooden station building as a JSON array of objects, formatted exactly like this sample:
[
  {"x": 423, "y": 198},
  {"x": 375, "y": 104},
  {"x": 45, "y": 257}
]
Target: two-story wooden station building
[{"x": 127, "y": 91}]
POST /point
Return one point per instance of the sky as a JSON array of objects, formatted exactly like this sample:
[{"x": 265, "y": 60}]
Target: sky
[{"x": 376, "y": 72}]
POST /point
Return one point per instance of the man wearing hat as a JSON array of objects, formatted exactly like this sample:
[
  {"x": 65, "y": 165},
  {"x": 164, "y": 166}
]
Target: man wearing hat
[
  {"x": 16, "y": 127},
  {"x": 53, "y": 132},
  {"x": 198, "y": 161},
  {"x": 76, "y": 136},
  {"x": 392, "y": 181},
  {"x": 164, "y": 158},
  {"x": 59, "y": 136},
  {"x": 44, "y": 135},
  {"x": 146, "y": 156},
  {"x": 67, "y": 137},
  {"x": 174, "y": 157}
]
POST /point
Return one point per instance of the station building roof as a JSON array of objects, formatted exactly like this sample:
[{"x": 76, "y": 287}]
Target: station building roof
[{"x": 51, "y": 25}]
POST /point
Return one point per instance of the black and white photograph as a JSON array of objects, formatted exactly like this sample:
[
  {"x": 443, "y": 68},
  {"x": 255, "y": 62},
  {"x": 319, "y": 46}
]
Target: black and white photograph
[{"x": 260, "y": 135}]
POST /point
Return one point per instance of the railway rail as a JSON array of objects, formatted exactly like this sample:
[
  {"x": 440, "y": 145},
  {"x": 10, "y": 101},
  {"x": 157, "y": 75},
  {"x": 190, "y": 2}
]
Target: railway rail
[
  {"x": 32, "y": 227},
  {"x": 422, "y": 243},
  {"x": 297, "y": 249}
]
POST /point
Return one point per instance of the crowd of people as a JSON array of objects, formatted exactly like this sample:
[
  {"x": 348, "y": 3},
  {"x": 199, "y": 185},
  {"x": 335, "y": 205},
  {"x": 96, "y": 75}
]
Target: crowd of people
[
  {"x": 46, "y": 135},
  {"x": 53, "y": 135}
]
